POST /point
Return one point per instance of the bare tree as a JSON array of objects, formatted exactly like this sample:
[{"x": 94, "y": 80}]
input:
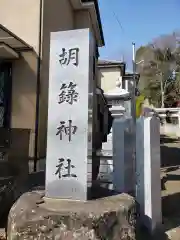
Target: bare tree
[{"x": 160, "y": 62}]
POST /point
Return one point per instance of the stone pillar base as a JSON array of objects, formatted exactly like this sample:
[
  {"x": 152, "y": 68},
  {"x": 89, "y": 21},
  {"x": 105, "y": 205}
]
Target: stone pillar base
[{"x": 35, "y": 217}]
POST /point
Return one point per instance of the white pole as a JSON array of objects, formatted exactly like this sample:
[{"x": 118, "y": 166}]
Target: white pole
[{"x": 133, "y": 46}]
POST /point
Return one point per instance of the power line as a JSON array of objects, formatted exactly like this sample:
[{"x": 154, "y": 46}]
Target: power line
[
  {"x": 116, "y": 17},
  {"x": 119, "y": 24},
  {"x": 118, "y": 21}
]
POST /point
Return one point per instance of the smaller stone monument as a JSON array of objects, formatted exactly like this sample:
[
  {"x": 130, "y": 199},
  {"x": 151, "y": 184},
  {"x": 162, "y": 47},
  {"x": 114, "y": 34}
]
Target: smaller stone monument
[
  {"x": 122, "y": 140},
  {"x": 148, "y": 172}
]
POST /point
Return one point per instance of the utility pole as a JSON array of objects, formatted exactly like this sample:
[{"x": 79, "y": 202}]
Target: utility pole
[
  {"x": 162, "y": 92},
  {"x": 133, "y": 113}
]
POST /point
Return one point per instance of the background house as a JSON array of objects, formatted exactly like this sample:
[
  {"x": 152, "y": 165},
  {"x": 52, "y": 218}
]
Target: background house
[{"x": 108, "y": 73}]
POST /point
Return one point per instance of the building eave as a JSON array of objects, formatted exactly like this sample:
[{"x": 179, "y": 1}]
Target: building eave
[
  {"x": 99, "y": 20},
  {"x": 112, "y": 64},
  {"x": 130, "y": 75},
  {"x": 93, "y": 8},
  {"x": 11, "y": 40}
]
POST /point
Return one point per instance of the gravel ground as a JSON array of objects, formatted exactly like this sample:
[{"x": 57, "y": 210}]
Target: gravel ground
[{"x": 170, "y": 174}]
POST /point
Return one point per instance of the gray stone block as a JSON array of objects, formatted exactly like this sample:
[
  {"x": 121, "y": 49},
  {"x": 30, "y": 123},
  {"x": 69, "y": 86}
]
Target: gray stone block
[{"x": 35, "y": 217}]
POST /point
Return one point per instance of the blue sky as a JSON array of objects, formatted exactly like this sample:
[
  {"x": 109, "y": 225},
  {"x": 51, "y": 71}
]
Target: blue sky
[{"x": 141, "y": 21}]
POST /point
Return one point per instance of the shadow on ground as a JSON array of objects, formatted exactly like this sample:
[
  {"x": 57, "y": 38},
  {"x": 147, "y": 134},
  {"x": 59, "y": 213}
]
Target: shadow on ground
[
  {"x": 170, "y": 153},
  {"x": 170, "y": 164},
  {"x": 171, "y": 209},
  {"x": 144, "y": 235}
]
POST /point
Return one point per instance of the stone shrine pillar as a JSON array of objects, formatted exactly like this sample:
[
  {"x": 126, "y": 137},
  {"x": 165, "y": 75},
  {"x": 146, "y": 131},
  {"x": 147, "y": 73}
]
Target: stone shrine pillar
[
  {"x": 70, "y": 114},
  {"x": 69, "y": 149},
  {"x": 122, "y": 135}
]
